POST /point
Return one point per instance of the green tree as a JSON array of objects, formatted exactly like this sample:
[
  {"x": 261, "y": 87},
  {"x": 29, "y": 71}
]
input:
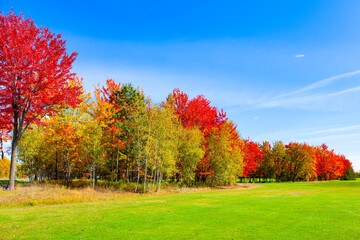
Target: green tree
[
  {"x": 128, "y": 102},
  {"x": 349, "y": 174}
]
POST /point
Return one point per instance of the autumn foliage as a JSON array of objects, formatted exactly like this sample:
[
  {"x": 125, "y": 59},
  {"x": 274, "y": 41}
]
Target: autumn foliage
[
  {"x": 35, "y": 77},
  {"x": 198, "y": 112},
  {"x": 118, "y": 134},
  {"x": 253, "y": 157},
  {"x": 293, "y": 162},
  {"x": 122, "y": 136},
  {"x": 34, "y": 71}
]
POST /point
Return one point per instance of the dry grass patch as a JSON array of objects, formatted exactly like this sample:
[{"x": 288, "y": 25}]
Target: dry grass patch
[
  {"x": 43, "y": 195},
  {"x": 57, "y": 194}
]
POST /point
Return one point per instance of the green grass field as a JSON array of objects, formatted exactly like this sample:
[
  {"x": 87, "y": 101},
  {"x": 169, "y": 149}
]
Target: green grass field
[{"x": 317, "y": 210}]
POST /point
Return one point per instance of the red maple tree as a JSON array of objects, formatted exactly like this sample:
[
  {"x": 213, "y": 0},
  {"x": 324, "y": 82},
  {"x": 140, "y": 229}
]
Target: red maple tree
[
  {"x": 34, "y": 76},
  {"x": 330, "y": 165},
  {"x": 253, "y": 157},
  {"x": 198, "y": 112}
]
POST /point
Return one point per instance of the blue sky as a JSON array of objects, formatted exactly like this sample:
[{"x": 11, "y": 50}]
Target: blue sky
[{"x": 282, "y": 70}]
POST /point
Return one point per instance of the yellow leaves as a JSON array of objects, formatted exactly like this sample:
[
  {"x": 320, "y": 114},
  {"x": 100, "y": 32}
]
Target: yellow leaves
[
  {"x": 102, "y": 112},
  {"x": 4, "y": 167},
  {"x": 226, "y": 156},
  {"x": 77, "y": 82}
]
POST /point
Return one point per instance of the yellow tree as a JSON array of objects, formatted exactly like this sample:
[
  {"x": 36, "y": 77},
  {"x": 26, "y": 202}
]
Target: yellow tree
[
  {"x": 4, "y": 167},
  {"x": 190, "y": 152},
  {"x": 226, "y": 156},
  {"x": 33, "y": 151},
  {"x": 165, "y": 137},
  {"x": 280, "y": 160}
]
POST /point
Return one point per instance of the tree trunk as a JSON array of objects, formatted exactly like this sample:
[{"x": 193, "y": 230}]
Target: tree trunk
[
  {"x": 155, "y": 178},
  {"x": 56, "y": 167},
  {"x": 117, "y": 166},
  {"x": 13, "y": 167},
  {"x": 156, "y": 163},
  {"x": 2, "y": 148},
  {"x": 127, "y": 169},
  {"x": 145, "y": 176},
  {"x": 159, "y": 184},
  {"x": 146, "y": 160},
  {"x": 94, "y": 177},
  {"x": 138, "y": 175},
  {"x": 14, "y": 145},
  {"x": 68, "y": 171},
  {"x": 151, "y": 179}
]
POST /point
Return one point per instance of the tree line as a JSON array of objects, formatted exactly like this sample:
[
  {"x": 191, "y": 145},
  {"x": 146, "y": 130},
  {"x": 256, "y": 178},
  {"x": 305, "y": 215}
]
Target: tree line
[
  {"x": 58, "y": 131},
  {"x": 121, "y": 135},
  {"x": 294, "y": 162}
]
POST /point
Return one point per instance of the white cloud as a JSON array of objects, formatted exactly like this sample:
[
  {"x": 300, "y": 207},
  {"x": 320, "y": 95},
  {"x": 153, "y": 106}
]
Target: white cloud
[{"x": 299, "y": 55}]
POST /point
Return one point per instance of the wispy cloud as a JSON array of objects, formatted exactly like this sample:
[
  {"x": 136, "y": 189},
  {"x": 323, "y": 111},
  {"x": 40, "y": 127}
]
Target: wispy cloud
[
  {"x": 336, "y": 129},
  {"x": 299, "y": 55},
  {"x": 319, "y": 84},
  {"x": 315, "y": 134},
  {"x": 303, "y": 98},
  {"x": 291, "y": 101},
  {"x": 332, "y": 139},
  {"x": 349, "y": 90}
]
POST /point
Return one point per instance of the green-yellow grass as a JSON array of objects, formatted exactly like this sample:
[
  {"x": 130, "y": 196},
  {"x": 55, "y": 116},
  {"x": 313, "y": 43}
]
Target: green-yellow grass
[{"x": 319, "y": 210}]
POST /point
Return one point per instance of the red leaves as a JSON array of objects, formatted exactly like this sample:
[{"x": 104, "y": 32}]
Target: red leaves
[
  {"x": 34, "y": 71},
  {"x": 330, "y": 165},
  {"x": 253, "y": 157},
  {"x": 35, "y": 77},
  {"x": 198, "y": 112},
  {"x": 106, "y": 93}
]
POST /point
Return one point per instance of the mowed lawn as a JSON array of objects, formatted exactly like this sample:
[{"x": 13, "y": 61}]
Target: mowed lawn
[{"x": 319, "y": 210}]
